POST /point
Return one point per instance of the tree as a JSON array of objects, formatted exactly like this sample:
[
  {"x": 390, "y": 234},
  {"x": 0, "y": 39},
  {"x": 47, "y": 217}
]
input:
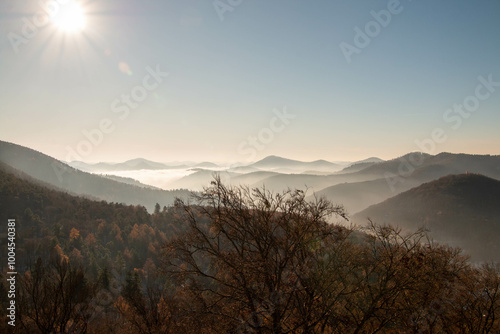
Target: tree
[
  {"x": 104, "y": 278},
  {"x": 478, "y": 308},
  {"x": 55, "y": 297},
  {"x": 149, "y": 310},
  {"x": 73, "y": 234},
  {"x": 252, "y": 260},
  {"x": 157, "y": 209},
  {"x": 405, "y": 283}
]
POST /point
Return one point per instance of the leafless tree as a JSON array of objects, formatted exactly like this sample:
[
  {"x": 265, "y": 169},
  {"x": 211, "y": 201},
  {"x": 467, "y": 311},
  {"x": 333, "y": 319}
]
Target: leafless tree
[
  {"x": 55, "y": 297},
  {"x": 253, "y": 259}
]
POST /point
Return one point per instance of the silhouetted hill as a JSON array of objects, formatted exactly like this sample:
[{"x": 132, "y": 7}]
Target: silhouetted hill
[
  {"x": 415, "y": 160},
  {"x": 273, "y": 162},
  {"x": 371, "y": 159},
  {"x": 360, "y": 165},
  {"x": 242, "y": 169},
  {"x": 200, "y": 179},
  {"x": 251, "y": 178},
  {"x": 60, "y": 175},
  {"x": 134, "y": 164},
  {"x": 141, "y": 163},
  {"x": 128, "y": 180},
  {"x": 462, "y": 210},
  {"x": 356, "y": 167},
  {"x": 206, "y": 164}
]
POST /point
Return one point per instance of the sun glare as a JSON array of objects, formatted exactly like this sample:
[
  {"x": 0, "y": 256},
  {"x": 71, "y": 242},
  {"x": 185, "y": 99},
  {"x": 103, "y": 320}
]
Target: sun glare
[{"x": 69, "y": 17}]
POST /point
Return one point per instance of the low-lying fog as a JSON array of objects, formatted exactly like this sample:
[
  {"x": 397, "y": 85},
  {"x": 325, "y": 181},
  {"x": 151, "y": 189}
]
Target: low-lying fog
[{"x": 162, "y": 178}]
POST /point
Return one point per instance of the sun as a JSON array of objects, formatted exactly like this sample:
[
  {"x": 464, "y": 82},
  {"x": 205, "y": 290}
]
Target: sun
[{"x": 69, "y": 17}]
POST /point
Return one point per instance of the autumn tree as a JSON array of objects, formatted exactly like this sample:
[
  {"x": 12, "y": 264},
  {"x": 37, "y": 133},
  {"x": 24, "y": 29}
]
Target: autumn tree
[
  {"x": 403, "y": 282},
  {"x": 477, "y": 305},
  {"x": 252, "y": 259}
]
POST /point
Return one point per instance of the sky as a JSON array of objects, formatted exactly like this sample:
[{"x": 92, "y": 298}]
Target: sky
[{"x": 237, "y": 80}]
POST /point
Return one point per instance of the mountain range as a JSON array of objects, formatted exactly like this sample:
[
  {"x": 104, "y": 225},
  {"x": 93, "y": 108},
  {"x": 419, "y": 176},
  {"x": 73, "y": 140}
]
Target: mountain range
[
  {"x": 135, "y": 164},
  {"x": 455, "y": 196}
]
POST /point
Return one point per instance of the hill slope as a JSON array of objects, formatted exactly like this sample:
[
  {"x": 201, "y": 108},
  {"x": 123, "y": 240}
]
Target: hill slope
[
  {"x": 356, "y": 167},
  {"x": 116, "y": 236},
  {"x": 462, "y": 210},
  {"x": 49, "y": 170}
]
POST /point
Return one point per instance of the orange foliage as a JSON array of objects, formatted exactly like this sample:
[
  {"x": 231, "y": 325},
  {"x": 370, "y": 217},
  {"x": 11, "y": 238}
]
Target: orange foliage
[{"x": 73, "y": 234}]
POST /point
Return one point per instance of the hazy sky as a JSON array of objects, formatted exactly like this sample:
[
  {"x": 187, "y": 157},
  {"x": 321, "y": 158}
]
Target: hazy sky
[{"x": 356, "y": 87}]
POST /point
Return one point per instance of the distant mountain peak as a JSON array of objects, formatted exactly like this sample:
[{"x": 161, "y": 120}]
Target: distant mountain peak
[
  {"x": 139, "y": 160},
  {"x": 275, "y": 158},
  {"x": 206, "y": 164}
]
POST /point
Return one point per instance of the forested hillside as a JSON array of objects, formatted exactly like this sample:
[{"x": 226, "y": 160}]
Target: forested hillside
[{"x": 462, "y": 210}]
